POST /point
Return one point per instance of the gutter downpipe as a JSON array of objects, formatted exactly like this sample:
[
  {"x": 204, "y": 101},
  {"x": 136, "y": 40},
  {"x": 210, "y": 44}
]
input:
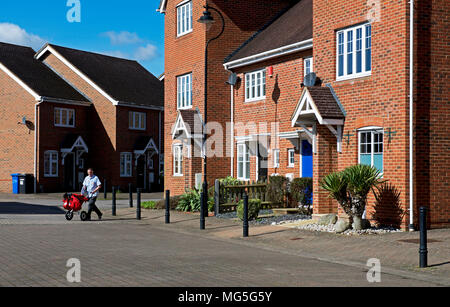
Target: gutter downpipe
[
  {"x": 411, "y": 116},
  {"x": 35, "y": 146},
  {"x": 232, "y": 130}
]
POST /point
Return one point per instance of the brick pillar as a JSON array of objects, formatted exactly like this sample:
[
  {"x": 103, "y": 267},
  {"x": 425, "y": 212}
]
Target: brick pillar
[{"x": 324, "y": 163}]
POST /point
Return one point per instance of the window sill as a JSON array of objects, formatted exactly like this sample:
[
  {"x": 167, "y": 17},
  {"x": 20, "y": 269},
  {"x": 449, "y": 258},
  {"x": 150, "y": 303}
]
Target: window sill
[
  {"x": 50, "y": 176},
  {"x": 62, "y": 126},
  {"x": 256, "y": 99},
  {"x": 184, "y": 33},
  {"x": 185, "y": 108},
  {"x": 352, "y": 77},
  {"x": 136, "y": 129},
  {"x": 178, "y": 176},
  {"x": 123, "y": 176}
]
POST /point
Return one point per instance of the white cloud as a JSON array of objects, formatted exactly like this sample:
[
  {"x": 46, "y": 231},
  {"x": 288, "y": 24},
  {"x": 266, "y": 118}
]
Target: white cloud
[
  {"x": 13, "y": 34},
  {"x": 122, "y": 38},
  {"x": 145, "y": 53}
]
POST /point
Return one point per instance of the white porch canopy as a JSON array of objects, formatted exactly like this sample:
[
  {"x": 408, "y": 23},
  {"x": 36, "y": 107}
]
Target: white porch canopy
[
  {"x": 319, "y": 105},
  {"x": 71, "y": 144}
]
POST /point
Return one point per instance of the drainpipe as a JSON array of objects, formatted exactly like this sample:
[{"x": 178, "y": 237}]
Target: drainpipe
[
  {"x": 35, "y": 146},
  {"x": 159, "y": 147},
  {"x": 232, "y": 130},
  {"x": 411, "y": 116}
]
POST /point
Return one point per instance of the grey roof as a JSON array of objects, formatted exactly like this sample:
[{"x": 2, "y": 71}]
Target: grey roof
[
  {"x": 35, "y": 74},
  {"x": 325, "y": 102},
  {"x": 292, "y": 26},
  {"x": 124, "y": 80}
]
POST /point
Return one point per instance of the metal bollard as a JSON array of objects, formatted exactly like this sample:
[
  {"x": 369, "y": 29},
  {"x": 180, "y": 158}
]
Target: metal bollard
[
  {"x": 423, "y": 250},
  {"x": 130, "y": 197},
  {"x": 245, "y": 224},
  {"x": 202, "y": 211},
  {"x": 105, "y": 192},
  {"x": 138, "y": 205},
  {"x": 167, "y": 207},
  {"x": 114, "y": 201}
]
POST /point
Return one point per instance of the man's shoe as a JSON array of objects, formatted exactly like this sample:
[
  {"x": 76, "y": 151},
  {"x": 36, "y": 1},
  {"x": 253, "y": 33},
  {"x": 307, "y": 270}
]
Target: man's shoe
[{"x": 100, "y": 217}]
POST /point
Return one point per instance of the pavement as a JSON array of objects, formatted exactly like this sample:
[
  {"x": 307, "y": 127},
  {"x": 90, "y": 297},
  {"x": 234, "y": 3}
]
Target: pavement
[{"x": 36, "y": 242}]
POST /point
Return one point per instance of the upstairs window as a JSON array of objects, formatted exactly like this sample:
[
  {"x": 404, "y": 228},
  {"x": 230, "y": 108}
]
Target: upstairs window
[
  {"x": 64, "y": 117},
  {"x": 137, "y": 121},
  {"x": 371, "y": 147},
  {"x": 354, "y": 52},
  {"x": 184, "y": 91},
  {"x": 184, "y": 18},
  {"x": 255, "y": 85},
  {"x": 308, "y": 65}
]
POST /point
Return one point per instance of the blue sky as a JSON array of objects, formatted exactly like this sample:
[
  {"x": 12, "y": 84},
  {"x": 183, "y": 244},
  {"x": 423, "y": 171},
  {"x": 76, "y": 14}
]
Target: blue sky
[{"x": 131, "y": 29}]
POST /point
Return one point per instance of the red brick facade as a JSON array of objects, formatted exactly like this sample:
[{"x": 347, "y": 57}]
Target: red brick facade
[{"x": 103, "y": 126}]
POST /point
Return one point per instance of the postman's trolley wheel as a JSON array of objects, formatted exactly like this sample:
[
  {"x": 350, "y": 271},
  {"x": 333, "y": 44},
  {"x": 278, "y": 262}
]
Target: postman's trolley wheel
[
  {"x": 69, "y": 215},
  {"x": 83, "y": 216}
]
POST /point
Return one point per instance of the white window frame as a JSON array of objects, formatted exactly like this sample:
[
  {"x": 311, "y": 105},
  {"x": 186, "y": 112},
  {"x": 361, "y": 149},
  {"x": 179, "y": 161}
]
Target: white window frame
[
  {"x": 373, "y": 130},
  {"x": 51, "y": 156},
  {"x": 184, "y": 18},
  {"x": 311, "y": 65},
  {"x": 184, "y": 92},
  {"x": 291, "y": 156},
  {"x": 255, "y": 88},
  {"x": 276, "y": 158},
  {"x": 128, "y": 156},
  {"x": 243, "y": 147},
  {"x": 177, "y": 160},
  {"x": 67, "y": 112},
  {"x": 354, "y": 47},
  {"x": 142, "y": 119}
]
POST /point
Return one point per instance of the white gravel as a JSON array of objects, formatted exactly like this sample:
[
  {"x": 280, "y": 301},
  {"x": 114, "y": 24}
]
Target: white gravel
[{"x": 331, "y": 229}]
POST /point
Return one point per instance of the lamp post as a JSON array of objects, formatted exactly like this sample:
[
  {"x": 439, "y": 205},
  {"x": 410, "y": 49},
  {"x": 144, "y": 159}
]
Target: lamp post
[{"x": 207, "y": 20}]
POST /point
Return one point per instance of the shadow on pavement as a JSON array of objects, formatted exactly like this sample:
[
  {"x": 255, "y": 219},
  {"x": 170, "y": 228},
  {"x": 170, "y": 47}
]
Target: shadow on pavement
[{"x": 23, "y": 208}]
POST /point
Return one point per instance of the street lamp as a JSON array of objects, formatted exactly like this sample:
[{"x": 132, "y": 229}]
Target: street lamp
[{"x": 208, "y": 20}]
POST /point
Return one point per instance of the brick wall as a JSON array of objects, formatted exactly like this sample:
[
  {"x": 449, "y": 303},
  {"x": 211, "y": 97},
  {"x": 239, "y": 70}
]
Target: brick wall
[
  {"x": 16, "y": 141},
  {"x": 185, "y": 54}
]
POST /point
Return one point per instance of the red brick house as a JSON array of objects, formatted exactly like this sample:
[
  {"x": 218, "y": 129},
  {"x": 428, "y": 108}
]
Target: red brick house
[
  {"x": 356, "y": 110},
  {"x": 81, "y": 110}
]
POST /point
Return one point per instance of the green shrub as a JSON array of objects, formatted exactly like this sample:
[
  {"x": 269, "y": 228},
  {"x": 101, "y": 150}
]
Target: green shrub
[
  {"x": 277, "y": 189},
  {"x": 190, "y": 201},
  {"x": 148, "y": 205},
  {"x": 301, "y": 192},
  {"x": 254, "y": 205},
  {"x": 229, "y": 181}
]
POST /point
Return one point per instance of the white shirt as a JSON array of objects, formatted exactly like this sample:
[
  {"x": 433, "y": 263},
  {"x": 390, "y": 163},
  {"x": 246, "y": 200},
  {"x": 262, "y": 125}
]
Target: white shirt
[{"x": 90, "y": 184}]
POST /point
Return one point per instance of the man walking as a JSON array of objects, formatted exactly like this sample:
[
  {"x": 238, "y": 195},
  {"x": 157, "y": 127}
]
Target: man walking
[{"x": 91, "y": 185}]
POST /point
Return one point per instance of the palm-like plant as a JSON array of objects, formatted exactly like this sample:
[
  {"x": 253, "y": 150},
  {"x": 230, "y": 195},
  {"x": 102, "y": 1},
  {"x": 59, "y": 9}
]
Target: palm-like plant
[{"x": 351, "y": 187}]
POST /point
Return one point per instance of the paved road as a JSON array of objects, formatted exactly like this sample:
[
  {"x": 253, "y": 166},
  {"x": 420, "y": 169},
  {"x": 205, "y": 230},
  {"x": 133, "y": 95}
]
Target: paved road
[{"x": 34, "y": 249}]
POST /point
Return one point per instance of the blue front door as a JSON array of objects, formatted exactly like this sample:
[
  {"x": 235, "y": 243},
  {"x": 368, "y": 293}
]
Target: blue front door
[{"x": 307, "y": 159}]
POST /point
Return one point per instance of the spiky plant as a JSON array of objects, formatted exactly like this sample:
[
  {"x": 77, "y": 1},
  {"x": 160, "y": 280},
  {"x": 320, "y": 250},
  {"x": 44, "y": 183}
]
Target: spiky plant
[{"x": 336, "y": 185}]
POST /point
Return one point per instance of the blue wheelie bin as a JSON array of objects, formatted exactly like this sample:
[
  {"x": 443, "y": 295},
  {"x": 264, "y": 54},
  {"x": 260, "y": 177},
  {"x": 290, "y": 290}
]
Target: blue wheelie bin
[{"x": 15, "y": 183}]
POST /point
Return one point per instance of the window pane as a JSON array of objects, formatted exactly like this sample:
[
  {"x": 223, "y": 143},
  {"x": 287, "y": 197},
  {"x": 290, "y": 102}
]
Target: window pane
[
  {"x": 358, "y": 50},
  {"x": 57, "y": 116},
  {"x": 378, "y": 161},
  {"x": 365, "y": 159},
  {"x": 368, "y": 47},
  {"x": 350, "y": 52}
]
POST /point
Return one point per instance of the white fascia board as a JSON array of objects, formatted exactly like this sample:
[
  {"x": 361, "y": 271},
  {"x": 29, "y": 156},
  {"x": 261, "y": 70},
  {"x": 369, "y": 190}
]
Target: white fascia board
[
  {"x": 285, "y": 50},
  {"x": 77, "y": 71},
  {"x": 162, "y": 8},
  {"x": 125, "y": 104},
  {"x": 20, "y": 82}
]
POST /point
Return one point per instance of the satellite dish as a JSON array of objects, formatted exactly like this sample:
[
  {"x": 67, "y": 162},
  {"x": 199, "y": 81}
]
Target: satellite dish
[
  {"x": 24, "y": 120},
  {"x": 232, "y": 79},
  {"x": 310, "y": 79}
]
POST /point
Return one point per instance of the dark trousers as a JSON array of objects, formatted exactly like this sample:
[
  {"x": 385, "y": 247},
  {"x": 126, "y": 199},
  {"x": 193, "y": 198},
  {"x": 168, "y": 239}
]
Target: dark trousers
[{"x": 93, "y": 207}]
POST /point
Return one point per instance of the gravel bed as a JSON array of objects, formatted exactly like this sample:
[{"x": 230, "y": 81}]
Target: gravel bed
[
  {"x": 349, "y": 232},
  {"x": 270, "y": 220}
]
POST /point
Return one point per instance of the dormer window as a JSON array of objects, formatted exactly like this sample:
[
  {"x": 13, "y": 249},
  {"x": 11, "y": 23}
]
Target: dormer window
[{"x": 184, "y": 18}]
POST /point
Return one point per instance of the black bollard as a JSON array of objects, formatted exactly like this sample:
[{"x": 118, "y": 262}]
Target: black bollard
[
  {"x": 202, "y": 211},
  {"x": 245, "y": 224},
  {"x": 138, "y": 205},
  {"x": 423, "y": 251},
  {"x": 114, "y": 201},
  {"x": 167, "y": 207},
  {"x": 130, "y": 191},
  {"x": 105, "y": 193}
]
